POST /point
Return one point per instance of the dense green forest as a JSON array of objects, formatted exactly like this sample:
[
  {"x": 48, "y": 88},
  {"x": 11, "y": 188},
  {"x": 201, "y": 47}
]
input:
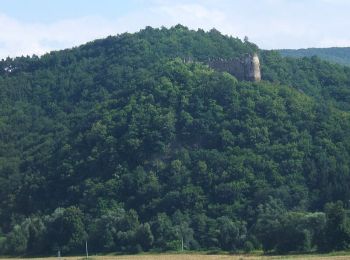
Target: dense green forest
[
  {"x": 133, "y": 143},
  {"x": 340, "y": 55}
]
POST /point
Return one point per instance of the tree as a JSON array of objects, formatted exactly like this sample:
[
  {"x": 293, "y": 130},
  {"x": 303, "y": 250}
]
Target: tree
[
  {"x": 144, "y": 237},
  {"x": 232, "y": 234},
  {"x": 337, "y": 232},
  {"x": 17, "y": 241},
  {"x": 66, "y": 230},
  {"x": 268, "y": 224}
]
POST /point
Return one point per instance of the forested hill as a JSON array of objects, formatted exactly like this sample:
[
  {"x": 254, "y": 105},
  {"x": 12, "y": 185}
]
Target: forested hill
[
  {"x": 133, "y": 143},
  {"x": 335, "y": 54}
]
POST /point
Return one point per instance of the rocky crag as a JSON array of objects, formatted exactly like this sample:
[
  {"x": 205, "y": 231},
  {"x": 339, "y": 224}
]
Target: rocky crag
[{"x": 246, "y": 68}]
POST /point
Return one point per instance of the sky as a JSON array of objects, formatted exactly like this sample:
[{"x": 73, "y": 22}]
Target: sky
[{"x": 38, "y": 26}]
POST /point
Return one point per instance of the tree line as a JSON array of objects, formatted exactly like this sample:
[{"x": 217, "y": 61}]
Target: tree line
[{"x": 122, "y": 144}]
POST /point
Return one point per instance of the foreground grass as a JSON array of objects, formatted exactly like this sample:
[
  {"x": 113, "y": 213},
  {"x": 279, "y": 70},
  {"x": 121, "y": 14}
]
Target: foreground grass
[{"x": 186, "y": 256}]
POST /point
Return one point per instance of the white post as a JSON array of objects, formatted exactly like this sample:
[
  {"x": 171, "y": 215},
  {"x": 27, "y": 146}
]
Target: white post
[
  {"x": 182, "y": 243},
  {"x": 86, "y": 250}
]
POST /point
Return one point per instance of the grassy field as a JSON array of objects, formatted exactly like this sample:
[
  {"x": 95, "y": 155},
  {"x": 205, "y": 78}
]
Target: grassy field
[{"x": 195, "y": 257}]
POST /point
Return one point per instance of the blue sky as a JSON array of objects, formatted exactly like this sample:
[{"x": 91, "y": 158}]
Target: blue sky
[
  {"x": 38, "y": 26},
  {"x": 55, "y": 10}
]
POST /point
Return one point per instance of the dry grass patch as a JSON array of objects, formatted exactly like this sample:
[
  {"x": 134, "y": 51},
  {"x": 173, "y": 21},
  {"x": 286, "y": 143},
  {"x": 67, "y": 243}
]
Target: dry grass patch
[{"x": 194, "y": 257}]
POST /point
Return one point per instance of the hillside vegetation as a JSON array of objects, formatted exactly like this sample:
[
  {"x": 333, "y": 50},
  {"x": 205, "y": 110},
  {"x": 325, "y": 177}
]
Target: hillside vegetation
[
  {"x": 126, "y": 144},
  {"x": 340, "y": 55}
]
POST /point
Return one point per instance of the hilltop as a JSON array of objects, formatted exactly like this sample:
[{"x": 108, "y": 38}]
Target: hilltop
[{"x": 124, "y": 143}]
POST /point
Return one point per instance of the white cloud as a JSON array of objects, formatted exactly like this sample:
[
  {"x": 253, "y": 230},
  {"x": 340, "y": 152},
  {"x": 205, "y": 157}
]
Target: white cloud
[
  {"x": 337, "y": 2},
  {"x": 20, "y": 38},
  {"x": 269, "y": 23},
  {"x": 334, "y": 42},
  {"x": 193, "y": 15}
]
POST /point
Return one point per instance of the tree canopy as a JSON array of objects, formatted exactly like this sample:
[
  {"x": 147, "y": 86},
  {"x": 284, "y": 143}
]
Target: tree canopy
[{"x": 134, "y": 144}]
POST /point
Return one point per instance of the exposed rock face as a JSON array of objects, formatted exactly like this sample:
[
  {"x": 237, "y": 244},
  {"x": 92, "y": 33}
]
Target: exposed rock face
[
  {"x": 247, "y": 68},
  {"x": 252, "y": 68}
]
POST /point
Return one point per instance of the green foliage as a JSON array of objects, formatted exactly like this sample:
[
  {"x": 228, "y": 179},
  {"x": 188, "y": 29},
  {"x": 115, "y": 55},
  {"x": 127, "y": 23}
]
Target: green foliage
[
  {"x": 144, "y": 237},
  {"x": 289, "y": 231},
  {"x": 66, "y": 229},
  {"x": 16, "y": 240},
  {"x": 339, "y": 55},
  {"x": 232, "y": 234},
  {"x": 310, "y": 75},
  {"x": 134, "y": 144},
  {"x": 337, "y": 231}
]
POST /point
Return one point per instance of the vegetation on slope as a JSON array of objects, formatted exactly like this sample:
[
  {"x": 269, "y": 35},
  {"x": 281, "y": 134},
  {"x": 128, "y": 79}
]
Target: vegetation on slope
[
  {"x": 334, "y": 55},
  {"x": 122, "y": 143}
]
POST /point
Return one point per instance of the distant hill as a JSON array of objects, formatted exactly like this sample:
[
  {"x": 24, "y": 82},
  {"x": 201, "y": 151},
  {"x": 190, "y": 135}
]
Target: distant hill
[
  {"x": 133, "y": 143},
  {"x": 334, "y": 55}
]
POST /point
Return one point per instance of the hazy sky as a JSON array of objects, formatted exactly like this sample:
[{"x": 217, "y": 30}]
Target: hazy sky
[{"x": 38, "y": 26}]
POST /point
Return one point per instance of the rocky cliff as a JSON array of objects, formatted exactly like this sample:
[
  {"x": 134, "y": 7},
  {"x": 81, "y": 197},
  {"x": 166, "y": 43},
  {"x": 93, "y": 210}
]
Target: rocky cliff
[{"x": 246, "y": 68}]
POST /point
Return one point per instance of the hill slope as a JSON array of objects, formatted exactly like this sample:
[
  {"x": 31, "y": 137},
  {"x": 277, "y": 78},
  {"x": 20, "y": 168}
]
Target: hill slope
[
  {"x": 124, "y": 144},
  {"x": 333, "y": 55}
]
